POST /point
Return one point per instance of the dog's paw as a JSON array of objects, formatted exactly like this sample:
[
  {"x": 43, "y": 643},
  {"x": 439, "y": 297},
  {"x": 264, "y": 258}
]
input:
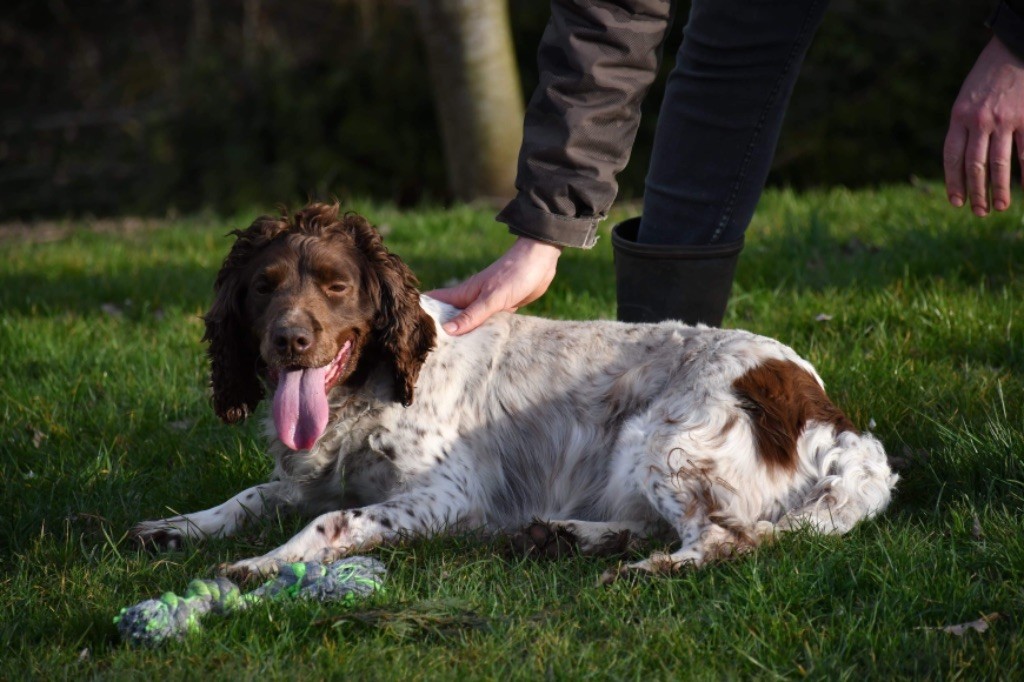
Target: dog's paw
[
  {"x": 542, "y": 540},
  {"x": 247, "y": 571},
  {"x": 658, "y": 564},
  {"x": 613, "y": 574},
  {"x": 156, "y": 536},
  {"x": 328, "y": 555}
]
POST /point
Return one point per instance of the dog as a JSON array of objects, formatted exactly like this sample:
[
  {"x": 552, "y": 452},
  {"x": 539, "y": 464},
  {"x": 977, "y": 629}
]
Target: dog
[{"x": 581, "y": 436}]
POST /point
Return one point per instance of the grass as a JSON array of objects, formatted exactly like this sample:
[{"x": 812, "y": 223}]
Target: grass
[{"x": 105, "y": 421}]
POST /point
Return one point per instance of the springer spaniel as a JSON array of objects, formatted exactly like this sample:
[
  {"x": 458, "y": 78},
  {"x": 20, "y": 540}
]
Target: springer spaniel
[{"x": 596, "y": 433}]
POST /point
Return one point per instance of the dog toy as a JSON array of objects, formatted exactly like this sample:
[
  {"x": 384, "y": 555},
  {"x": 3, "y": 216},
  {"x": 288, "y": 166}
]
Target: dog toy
[{"x": 155, "y": 621}]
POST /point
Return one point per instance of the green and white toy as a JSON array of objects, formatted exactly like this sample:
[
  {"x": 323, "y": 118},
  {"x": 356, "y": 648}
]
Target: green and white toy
[{"x": 155, "y": 621}]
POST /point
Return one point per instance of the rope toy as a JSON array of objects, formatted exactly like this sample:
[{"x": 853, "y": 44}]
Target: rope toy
[{"x": 155, "y": 621}]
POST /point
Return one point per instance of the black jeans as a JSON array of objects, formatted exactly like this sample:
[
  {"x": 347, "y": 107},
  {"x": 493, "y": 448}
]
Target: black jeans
[{"x": 721, "y": 117}]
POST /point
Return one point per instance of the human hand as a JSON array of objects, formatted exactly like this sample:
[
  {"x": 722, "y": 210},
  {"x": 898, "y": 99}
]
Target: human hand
[
  {"x": 987, "y": 121},
  {"x": 520, "y": 276}
]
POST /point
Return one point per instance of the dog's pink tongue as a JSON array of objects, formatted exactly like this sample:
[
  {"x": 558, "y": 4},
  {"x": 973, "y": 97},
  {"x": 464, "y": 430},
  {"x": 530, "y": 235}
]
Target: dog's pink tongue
[{"x": 300, "y": 407}]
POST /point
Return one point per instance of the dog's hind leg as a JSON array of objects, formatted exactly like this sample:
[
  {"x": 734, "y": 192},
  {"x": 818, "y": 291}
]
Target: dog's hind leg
[
  {"x": 678, "y": 471},
  {"x": 702, "y": 543},
  {"x": 848, "y": 478}
]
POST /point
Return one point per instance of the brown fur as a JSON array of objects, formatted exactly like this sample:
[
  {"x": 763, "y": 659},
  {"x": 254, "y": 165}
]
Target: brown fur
[
  {"x": 386, "y": 321},
  {"x": 544, "y": 540},
  {"x": 781, "y": 398}
]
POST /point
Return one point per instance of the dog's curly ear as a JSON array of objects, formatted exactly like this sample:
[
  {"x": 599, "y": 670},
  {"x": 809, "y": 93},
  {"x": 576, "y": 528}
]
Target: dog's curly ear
[
  {"x": 234, "y": 355},
  {"x": 403, "y": 332}
]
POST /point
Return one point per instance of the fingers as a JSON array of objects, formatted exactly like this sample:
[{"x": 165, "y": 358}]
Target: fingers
[
  {"x": 473, "y": 316},
  {"x": 987, "y": 165},
  {"x": 999, "y": 150},
  {"x": 976, "y": 171},
  {"x": 986, "y": 121},
  {"x": 974, "y": 161},
  {"x": 479, "y": 298},
  {"x": 520, "y": 276},
  {"x": 953, "y": 164},
  {"x": 459, "y": 295},
  {"x": 468, "y": 295}
]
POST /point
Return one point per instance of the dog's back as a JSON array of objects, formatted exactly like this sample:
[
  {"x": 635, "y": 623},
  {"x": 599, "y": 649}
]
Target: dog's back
[{"x": 586, "y": 421}]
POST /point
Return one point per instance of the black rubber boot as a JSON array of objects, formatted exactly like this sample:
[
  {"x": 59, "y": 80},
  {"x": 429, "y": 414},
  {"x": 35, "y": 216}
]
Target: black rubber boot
[{"x": 655, "y": 282}]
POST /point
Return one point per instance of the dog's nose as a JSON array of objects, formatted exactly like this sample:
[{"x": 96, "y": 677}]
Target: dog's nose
[{"x": 292, "y": 340}]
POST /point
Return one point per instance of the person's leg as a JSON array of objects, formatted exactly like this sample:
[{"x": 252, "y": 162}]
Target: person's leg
[
  {"x": 720, "y": 120},
  {"x": 717, "y": 131}
]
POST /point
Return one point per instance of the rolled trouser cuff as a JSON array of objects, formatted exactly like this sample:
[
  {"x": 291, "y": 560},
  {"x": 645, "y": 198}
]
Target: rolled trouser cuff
[{"x": 525, "y": 220}]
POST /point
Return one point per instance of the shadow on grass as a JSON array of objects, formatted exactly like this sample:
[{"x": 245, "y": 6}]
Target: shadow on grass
[
  {"x": 134, "y": 294},
  {"x": 806, "y": 254},
  {"x": 809, "y": 255}
]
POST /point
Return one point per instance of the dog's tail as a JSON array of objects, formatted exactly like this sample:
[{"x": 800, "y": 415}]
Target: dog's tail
[
  {"x": 852, "y": 480},
  {"x": 843, "y": 475}
]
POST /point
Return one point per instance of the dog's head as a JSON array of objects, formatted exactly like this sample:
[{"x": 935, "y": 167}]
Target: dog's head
[{"x": 305, "y": 304}]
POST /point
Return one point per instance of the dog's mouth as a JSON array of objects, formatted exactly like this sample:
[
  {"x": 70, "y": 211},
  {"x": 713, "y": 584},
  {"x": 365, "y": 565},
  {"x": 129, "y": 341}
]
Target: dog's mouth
[{"x": 300, "y": 399}]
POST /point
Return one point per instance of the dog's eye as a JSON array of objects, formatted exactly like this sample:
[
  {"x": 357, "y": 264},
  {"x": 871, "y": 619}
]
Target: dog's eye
[
  {"x": 336, "y": 287},
  {"x": 263, "y": 287}
]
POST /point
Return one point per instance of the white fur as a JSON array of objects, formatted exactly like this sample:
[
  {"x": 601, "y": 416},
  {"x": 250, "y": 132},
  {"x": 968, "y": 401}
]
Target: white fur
[{"x": 598, "y": 426}]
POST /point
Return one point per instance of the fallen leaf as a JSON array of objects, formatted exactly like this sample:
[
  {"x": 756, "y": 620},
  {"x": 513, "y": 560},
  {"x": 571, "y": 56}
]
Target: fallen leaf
[
  {"x": 92, "y": 519},
  {"x": 980, "y": 625},
  {"x": 822, "y": 317},
  {"x": 976, "y": 528}
]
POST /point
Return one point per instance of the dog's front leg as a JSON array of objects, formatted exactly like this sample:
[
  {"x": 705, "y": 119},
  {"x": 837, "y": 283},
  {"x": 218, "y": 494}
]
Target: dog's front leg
[
  {"x": 221, "y": 521},
  {"x": 419, "y": 513}
]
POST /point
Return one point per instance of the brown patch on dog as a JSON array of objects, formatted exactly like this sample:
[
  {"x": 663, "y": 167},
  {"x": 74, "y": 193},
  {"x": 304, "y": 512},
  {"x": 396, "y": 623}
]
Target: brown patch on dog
[
  {"x": 337, "y": 528},
  {"x": 781, "y": 398},
  {"x": 699, "y": 474}
]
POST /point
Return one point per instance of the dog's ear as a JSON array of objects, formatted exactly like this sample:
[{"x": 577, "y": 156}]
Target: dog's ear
[
  {"x": 233, "y": 352},
  {"x": 406, "y": 333},
  {"x": 403, "y": 332}
]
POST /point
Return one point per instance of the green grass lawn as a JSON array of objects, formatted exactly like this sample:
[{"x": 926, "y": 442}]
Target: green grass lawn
[{"x": 105, "y": 421}]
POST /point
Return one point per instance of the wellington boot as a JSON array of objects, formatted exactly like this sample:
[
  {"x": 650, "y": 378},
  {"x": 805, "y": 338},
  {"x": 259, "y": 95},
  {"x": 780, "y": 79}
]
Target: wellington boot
[{"x": 655, "y": 282}]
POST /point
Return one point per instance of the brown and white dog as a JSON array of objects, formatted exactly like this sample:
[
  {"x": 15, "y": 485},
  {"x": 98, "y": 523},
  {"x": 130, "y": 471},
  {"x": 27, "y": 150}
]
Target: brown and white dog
[{"x": 387, "y": 428}]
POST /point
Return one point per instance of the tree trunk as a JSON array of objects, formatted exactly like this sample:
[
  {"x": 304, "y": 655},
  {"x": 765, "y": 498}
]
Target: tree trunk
[{"x": 476, "y": 92}]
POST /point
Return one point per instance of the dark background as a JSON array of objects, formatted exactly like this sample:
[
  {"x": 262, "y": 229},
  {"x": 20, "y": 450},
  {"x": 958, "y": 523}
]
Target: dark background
[{"x": 125, "y": 106}]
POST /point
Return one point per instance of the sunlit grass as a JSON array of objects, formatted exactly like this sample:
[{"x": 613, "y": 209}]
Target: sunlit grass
[{"x": 909, "y": 309}]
